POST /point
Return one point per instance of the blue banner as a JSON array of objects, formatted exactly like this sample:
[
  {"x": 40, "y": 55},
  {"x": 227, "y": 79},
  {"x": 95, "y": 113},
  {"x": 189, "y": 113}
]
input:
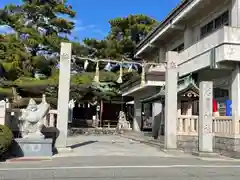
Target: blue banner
[{"x": 228, "y": 104}]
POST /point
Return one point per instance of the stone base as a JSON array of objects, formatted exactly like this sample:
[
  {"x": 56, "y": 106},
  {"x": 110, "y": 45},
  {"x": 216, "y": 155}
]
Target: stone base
[
  {"x": 32, "y": 147},
  {"x": 206, "y": 154}
]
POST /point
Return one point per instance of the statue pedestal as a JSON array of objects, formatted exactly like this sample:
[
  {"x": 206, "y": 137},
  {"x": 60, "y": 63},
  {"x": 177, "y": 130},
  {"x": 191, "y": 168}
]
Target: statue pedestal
[{"x": 32, "y": 147}]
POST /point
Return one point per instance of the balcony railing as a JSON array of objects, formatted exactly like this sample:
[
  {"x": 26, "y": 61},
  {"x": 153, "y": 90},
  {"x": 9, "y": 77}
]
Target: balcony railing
[
  {"x": 222, "y": 126},
  {"x": 155, "y": 74}
]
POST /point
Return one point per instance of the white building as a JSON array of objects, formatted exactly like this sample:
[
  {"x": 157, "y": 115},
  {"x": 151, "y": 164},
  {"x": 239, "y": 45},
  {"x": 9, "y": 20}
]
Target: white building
[{"x": 202, "y": 39}]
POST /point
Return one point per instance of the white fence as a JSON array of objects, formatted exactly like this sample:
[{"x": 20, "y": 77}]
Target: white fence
[{"x": 222, "y": 125}]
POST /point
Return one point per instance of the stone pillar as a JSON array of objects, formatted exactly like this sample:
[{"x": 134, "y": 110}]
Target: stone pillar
[
  {"x": 195, "y": 107},
  {"x": 63, "y": 94},
  {"x": 235, "y": 13},
  {"x": 189, "y": 108},
  {"x": 137, "y": 115},
  {"x": 179, "y": 109},
  {"x": 156, "y": 115},
  {"x": 162, "y": 120},
  {"x": 3, "y": 113},
  {"x": 188, "y": 37},
  {"x": 235, "y": 91},
  {"x": 205, "y": 134},
  {"x": 161, "y": 54},
  {"x": 171, "y": 100}
]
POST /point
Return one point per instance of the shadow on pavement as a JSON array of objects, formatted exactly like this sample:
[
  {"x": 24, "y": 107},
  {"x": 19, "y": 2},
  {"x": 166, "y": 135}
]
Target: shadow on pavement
[{"x": 82, "y": 144}]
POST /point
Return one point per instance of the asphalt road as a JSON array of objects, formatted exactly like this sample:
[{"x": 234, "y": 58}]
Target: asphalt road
[{"x": 133, "y": 168}]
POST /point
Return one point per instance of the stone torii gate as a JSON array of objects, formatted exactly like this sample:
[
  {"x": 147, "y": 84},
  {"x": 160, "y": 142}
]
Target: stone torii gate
[
  {"x": 205, "y": 119},
  {"x": 64, "y": 88},
  {"x": 205, "y": 134}
]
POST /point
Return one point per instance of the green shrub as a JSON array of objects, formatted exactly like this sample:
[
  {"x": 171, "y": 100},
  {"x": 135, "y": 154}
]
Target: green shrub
[
  {"x": 6, "y": 92},
  {"x": 6, "y": 137}
]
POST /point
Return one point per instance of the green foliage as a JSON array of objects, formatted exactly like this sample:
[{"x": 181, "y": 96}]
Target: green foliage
[
  {"x": 85, "y": 78},
  {"x": 5, "y": 92},
  {"x": 37, "y": 25},
  {"x": 28, "y": 81},
  {"x": 6, "y": 137},
  {"x": 13, "y": 70},
  {"x": 123, "y": 37}
]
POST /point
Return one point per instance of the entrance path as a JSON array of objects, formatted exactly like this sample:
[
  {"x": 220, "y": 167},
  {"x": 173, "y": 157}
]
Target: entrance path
[
  {"x": 118, "y": 146},
  {"x": 120, "y": 167},
  {"x": 110, "y": 145}
]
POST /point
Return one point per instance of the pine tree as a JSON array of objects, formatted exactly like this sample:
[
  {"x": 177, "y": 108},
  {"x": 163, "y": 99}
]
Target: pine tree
[
  {"x": 125, "y": 33},
  {"x": 40, "y": 26}
]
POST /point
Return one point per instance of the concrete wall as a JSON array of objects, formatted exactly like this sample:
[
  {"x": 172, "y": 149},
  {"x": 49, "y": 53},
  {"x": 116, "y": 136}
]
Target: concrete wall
[
  {"x": 190, "y": 35},
  {"x": 137, "y": 121},
  {"x": 187, "y": 143},
  {"x": 196, "y": 25},
  {"x": 157, "y": 116},
  {"x": 224, "y": 145},
  {"x": 227, "y": 146},
  {"x": 176, "y": 40},
  {"x": 227, "y": 48}
]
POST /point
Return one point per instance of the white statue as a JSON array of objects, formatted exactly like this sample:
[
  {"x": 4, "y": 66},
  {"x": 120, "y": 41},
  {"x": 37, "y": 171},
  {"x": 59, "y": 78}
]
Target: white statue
[
  {"x": 122, "y": 121},
  {"x": 71, "y": 105},
  {"x": 32, "y": 118},
  {"x": 7, "y": 103}
]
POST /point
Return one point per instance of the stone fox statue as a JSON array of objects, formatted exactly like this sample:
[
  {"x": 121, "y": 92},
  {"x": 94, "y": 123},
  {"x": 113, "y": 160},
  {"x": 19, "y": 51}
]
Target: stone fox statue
[{"x": 32, "y": 117}]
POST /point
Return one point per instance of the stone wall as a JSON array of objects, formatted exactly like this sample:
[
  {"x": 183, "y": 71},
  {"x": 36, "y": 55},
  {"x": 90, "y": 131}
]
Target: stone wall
[
  {"x": 223, "y": 145},
  {"x": 227, "y": 146},
  {"x": 187, "y": 143}
]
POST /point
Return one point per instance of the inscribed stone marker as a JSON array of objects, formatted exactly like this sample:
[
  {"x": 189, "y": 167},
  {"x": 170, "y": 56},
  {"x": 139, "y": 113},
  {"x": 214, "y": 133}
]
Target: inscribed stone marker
[{"x": 205, "y": 117}]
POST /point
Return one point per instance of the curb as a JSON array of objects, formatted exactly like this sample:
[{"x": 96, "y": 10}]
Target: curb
[
  {"x": 159, "y": 146},
  {"x": 174, "y": 152},
  {"x": 28, "y": 159}
]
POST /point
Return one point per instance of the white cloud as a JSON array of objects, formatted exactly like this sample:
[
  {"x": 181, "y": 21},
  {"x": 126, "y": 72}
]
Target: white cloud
[
  {"x": 98, "y": 31},
  {"x": 82, "y": 27}
]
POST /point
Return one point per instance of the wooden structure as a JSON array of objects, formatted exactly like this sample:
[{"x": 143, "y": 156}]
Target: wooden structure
[
  {"x": 86, "y": 110},
  {"x": 188, "y": 95}
]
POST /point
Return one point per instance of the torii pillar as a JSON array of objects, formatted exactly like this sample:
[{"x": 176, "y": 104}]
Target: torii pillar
[
  {"x": 63, "y": 95},
  {"x": 171, "y": 101}
]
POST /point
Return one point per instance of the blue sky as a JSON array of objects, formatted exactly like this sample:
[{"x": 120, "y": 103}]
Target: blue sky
[{"x": 93, "y": 15}]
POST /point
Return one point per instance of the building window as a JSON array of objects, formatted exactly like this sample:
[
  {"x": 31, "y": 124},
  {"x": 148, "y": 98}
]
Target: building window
[
  {"x": 222, "y": 20},
  {"x": 179, "y": 48}
]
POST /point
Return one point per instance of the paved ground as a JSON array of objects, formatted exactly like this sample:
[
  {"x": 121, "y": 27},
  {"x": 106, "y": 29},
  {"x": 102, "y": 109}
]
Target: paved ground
[
  {"x": 113, "y": 157},
  {"x": 122, "y": 167},
  {"x": 110, "y": 146}
]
